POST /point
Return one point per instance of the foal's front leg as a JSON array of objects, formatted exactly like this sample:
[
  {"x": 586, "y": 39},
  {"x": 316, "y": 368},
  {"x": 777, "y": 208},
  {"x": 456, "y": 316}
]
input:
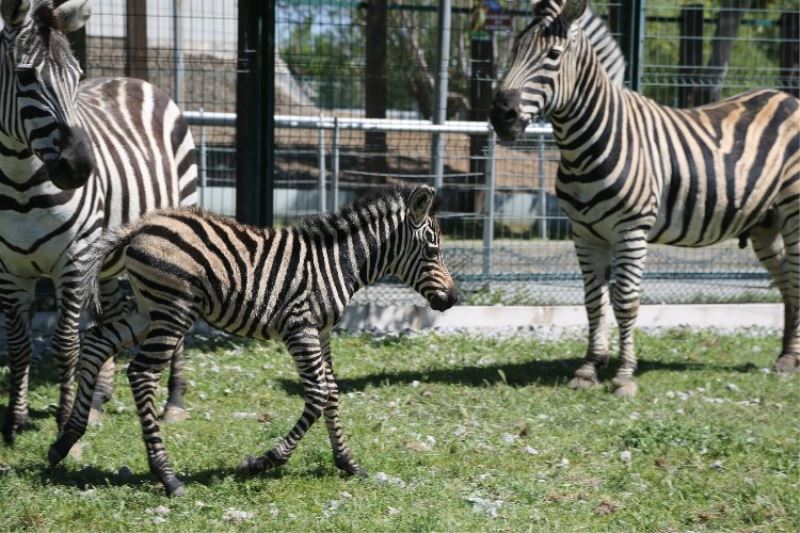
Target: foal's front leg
[
  {"x": 306, "y": 350},
  {"x": 342, "y": 456}
]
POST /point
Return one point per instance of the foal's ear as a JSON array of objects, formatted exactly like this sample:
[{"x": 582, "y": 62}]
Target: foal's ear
[
  {"x": 420, "y": 203},
  {"x": 73, "y": 14},
  {"x": 14, "y": 11}
]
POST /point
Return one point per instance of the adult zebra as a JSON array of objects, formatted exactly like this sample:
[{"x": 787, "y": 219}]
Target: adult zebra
[
  {"x": 74, "y": 159},
  {"x": 292, "y": 283},
  {"x": 634, "y": 172}
]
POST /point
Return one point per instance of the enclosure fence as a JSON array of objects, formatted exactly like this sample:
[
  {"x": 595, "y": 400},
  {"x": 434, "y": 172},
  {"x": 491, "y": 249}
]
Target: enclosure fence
[{"x": 359, "y": 107}]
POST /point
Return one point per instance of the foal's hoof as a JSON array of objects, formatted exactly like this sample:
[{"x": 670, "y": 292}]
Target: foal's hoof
[
  {"x": 625, "y": 387},
  {"x": 174, "y": 413},
  {"x": 254, "y": 465},
  {"x": 786, "y": 363},
  {"x": 581, "y": 382},
  {"x": 349, "y": 467}
]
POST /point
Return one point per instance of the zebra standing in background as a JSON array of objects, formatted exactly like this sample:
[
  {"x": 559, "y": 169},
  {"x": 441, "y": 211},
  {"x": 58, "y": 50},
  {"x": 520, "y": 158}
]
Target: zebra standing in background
[
  {"x": 634, "y": 172},
  {"x": 292, "y": 283},
  {"x": 74, "y": 159}
]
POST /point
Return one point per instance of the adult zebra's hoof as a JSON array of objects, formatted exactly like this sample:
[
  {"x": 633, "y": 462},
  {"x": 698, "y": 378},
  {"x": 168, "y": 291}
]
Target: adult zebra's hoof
[
  {"x": 625, "y": 387},
  {"x": 174, "y": 413},
  {"x": 786, "y": 363},
  {"x": 174, "y": 488},
  {"x": 581, "y": 382},
  {"x": 95, "y": 413}
]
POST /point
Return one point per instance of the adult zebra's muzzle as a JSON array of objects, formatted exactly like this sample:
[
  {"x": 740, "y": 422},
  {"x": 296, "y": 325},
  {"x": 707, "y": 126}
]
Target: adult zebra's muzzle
[
  {"x": 74, "y": 164},
  {"x": 505, "y": 116},
  {"x": 443, "y": 300}
]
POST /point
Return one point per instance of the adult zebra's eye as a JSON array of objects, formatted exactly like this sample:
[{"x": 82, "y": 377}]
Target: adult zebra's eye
[
  {"x": 554, "y": 54},
  {"x": 431, "y": 251}
]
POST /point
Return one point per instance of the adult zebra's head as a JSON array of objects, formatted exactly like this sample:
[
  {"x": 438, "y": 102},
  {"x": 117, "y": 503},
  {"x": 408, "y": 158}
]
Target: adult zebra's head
[
  {"x": 419, "y": 261},
  {"x": 542, "y": 68},
  {"x": 38, "y": 83}
]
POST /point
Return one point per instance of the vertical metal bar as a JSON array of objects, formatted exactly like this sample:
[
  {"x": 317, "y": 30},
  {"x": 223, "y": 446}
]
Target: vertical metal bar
[
  {"x": 136, "y": 39},
  {"x": 439, "y": 111},
  {"x": 542, "y": 192},
  {"x": 632, "y": 30},
  {"x": 177, "y": 41},
  {"x": 335, "y": 177},
  {"x": 488, "y": 223},
  {"x": 203, "y": 160},
  {"x": 255, "y": 112},
  {"x": 322, "y": 177}
]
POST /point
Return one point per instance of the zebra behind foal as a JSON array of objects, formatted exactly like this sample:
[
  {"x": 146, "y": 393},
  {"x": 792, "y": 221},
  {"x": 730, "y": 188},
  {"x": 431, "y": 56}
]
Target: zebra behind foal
[
  {"x": 75, "y": 158},
  {"x": 633, "y": 172},
  {"x": 293, "y": 283}
]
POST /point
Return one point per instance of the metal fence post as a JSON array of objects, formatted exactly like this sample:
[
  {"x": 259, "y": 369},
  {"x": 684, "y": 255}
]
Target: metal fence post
[
  {"x": 488, "y": 223},
  {"x": 203, "y": 160},
  {"x": 255, "y": 112},
  {"x": 321, "y": 200},
  {"x": 177, "y": 39},
  {"x": 542, "y": 192},
  {"x": 335, "y": 177},
  {"x": 439, "y": 111}
]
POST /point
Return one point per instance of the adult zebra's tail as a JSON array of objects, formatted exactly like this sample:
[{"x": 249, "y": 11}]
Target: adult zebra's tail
[{"x": 107, "y": 244}]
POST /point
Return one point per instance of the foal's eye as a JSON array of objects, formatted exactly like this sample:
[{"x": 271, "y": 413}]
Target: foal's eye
[
  {"x": 431, "y": 251},
  {"x": 554, "y": 54}
]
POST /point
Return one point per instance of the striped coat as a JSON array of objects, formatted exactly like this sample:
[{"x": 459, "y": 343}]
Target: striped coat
[
  {"x": 75, "y": 159},
  {"x": 291, "y": 283},
  {"x": 634, "y": 172}
]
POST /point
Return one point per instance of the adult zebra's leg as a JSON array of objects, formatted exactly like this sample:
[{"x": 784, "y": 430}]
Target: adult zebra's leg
[
  {"x": 154, "y": 355},
  {"x": 630, "y": 253},
  {"x": 305, "y": 347},
  {"x": 174, "y": 410},
  {"x": 595, "y": 262},
  {"x": 789, "y": 284},
  {"x": 65, "y": 343},
  {"x": 16, "y": 297},
  {"x": 342, "y": 456},
  {"x": 101, "y": 343}
]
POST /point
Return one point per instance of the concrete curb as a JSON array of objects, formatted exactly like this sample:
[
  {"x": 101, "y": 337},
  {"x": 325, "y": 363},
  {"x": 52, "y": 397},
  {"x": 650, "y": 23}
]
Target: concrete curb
[
  {"x": 722, "y": 316},
  {"x": 726, "y": 317}
]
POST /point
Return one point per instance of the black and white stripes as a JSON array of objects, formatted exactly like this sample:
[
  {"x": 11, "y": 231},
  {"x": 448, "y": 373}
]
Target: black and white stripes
[
  {"x": 634, "y": 172},
  {"x": 74, "y": 159},
  {"x": 292, "y": 283}
]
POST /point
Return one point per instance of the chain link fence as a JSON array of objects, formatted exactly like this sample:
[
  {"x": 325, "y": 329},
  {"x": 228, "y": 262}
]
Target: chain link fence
[{"x": 507, "y": 240}]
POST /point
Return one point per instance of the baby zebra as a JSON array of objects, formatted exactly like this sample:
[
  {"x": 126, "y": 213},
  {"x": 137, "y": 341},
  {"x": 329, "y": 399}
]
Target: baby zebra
[{"x": 291, "y": 283}]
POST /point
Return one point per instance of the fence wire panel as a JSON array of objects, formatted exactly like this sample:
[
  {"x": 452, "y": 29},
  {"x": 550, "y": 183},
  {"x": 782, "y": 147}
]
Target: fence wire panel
[
  {"x": 188, "y": 48},
  {"x": 515, "y": 249}
]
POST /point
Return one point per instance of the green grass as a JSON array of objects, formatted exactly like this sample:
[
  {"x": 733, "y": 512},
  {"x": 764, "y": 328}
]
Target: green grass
[{"x": 457, "y": 420}]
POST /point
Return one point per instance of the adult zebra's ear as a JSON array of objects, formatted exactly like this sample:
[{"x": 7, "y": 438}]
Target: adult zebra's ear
[
  {"x": 573, "y": 9},
  {"x": 74, "y": 14},
  {"x": 420, "y": 203},
  {"x": 14, "y": 11}
]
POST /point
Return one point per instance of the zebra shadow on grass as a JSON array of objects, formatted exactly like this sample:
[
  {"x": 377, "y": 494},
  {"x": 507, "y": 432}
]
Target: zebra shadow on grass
[
  {"x": 90, "y": 477},
  {"x": 547, "y": 373}
]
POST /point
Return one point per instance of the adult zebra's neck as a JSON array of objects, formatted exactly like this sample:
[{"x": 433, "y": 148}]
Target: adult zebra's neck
[{"x": 592, "y": 104}]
